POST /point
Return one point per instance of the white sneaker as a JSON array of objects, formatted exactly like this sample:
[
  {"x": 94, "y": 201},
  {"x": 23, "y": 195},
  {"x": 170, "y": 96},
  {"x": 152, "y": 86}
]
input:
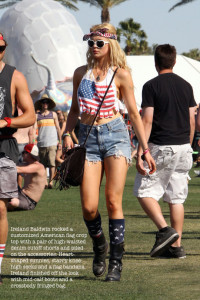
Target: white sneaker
[{"x": 197, "y": 172}]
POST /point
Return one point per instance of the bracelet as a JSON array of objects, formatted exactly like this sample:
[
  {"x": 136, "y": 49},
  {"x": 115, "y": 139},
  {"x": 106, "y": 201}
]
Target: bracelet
[
  {"x": 66, "y": 134},
  {"x": 8, "y": 120},
  {"x": 146, "y": 150}
]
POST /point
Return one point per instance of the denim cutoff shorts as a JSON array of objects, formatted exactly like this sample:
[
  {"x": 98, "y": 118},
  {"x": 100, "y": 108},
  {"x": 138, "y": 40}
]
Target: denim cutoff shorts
[{"x": 110, "y": 139}]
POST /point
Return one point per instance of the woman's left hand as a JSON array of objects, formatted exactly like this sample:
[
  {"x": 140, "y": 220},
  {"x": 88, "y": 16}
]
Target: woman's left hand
[
  {"x": 140, "y": 166},
  {"x": 151, "y": 164}
]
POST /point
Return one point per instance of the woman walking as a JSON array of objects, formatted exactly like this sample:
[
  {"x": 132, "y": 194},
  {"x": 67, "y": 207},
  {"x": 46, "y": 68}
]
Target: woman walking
[{"x": 108, "y": 147}]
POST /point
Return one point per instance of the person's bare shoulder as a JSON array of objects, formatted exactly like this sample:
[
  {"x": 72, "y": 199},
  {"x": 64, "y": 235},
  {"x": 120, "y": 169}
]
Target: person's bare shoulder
[
  {"x": 122, "y": 74},
  {"x": 55, "y": 115},
  {"x": 123, "y": 78},
  {"x": 40, "y": 168},
  {"x": 18, "y": 77}
]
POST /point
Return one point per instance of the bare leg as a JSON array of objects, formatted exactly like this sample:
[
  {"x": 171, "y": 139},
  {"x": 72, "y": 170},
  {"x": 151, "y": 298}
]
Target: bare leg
[
  {"x": 46, "y": 184},
  {"x": 116, "y": 170},
  {"x": 90, "y": 186},
  {"x": 51, "y": 175},
  {"x": 153, "y": 210},
  {"x": 90, "y": 199},
  {"x": 3, "y": 221},
  {"x": 3, "y": 229},
  {"x": 177, "y": 220}
]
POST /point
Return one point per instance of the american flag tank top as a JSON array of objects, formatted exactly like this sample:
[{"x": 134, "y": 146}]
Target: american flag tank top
[{"x": 90, "y": 95}]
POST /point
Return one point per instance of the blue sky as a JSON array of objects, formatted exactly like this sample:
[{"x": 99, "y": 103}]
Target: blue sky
[{"x": 179, "y": 27}]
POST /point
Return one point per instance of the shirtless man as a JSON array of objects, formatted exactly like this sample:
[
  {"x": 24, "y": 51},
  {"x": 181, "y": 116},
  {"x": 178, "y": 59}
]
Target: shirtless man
[
  {"x": 13, "y": 92},
  {"x": 34, "y": 181}
]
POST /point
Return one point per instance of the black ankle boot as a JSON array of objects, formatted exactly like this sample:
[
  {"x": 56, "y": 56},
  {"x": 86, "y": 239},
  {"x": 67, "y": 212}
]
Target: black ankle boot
[
  {"x": 100, "y": 248},
  {"x": 115, "y": 262}
]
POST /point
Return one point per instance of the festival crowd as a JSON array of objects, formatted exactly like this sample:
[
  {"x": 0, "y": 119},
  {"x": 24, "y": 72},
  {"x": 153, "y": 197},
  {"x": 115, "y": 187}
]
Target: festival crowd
[{"x": 34, "y": 138}]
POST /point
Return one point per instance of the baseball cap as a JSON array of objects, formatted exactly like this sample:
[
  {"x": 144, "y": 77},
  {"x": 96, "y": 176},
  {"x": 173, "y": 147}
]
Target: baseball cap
[{"x": 33, "y": 150}]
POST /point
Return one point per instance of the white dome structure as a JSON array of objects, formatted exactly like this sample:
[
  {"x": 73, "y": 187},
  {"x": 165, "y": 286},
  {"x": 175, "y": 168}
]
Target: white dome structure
[{"x": 47, "y": 31}]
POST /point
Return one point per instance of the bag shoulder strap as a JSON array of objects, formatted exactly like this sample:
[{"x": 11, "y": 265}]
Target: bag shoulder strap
[{"x": 100, "y": 105}]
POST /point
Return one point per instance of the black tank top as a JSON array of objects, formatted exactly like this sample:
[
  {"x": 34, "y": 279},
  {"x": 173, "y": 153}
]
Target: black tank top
[{"x": 8, "y": 145}]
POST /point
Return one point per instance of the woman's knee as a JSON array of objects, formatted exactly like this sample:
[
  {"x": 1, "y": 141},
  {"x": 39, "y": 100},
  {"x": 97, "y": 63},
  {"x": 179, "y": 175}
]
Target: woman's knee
[
  {"x": 114, "y": 204},
  {"x": 89, "y": 211}
]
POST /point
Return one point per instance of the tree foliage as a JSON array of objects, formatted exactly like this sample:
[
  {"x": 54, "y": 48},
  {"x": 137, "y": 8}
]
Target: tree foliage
[
  {"x": 180, "y": 3},
  {"x": 193, "y": 53},
  {"x": 105, "y": 5},
  {"x": 134, "y": 37},
  {"x": 67, "y": 3}
]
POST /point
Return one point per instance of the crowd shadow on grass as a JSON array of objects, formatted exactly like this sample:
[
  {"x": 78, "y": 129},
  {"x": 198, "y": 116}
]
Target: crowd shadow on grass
[
  {"x": 192, "y": 215},
  {"x": 188, "y": 215},
  {"x": 190, "y": 238},
  {"x": 137, "y": 216}
]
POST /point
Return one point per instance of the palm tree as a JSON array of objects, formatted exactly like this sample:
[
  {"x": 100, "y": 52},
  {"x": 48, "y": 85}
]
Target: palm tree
[
  {"x": 105, "y": 5},
  {"x": 180, "y": 3},
  {"x": 135, "y": 37},
  {"x": 67, "y": 3}
]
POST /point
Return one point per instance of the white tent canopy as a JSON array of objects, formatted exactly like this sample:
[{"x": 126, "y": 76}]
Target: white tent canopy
[{"x": 143, "y": 69}]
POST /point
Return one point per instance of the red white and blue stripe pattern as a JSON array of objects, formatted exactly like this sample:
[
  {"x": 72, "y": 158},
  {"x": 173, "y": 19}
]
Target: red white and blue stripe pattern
[
  {"x": 2, "y": 249},
  {"x": 91, "y": 93},
  {"x": 101, "y": 32}
]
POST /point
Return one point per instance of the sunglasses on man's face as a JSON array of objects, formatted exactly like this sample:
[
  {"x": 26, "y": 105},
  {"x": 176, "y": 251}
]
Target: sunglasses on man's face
[
  {"x": 45, "y": 102},
  {"x": 98, "y": 43},
  {"x": 2, "y": 48}
]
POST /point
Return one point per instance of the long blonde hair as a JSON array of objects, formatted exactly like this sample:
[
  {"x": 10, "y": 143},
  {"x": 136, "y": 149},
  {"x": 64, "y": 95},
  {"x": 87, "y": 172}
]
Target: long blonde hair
[{"x": 117, "y": 55}]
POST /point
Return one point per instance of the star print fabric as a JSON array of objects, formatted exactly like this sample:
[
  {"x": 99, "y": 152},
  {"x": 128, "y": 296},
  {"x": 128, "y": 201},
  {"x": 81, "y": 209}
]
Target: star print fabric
[{"x": 116, "y": 230}]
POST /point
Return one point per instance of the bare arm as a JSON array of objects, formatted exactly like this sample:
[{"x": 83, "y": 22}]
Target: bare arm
[
  {"x": 32, "y": 168},
  {"x": 62, "y": 130},
  {"x": 31, "y": 135},
  {"x": 20, "y": 94},
  {"x": 198, "y": 120},
  {"x": 59, "y": 155},
  {"x": 147, "y": 119},
  {"x": 127, "y": 91},
  {"x": 57, "y": 126},
  {"x": 74, "y": 137},
  {"x": 34, "y": 131},
  {"x": 192, "y": 123},
  {"x": 74, "y": 110},
  {"x": 125, "y": 84}
]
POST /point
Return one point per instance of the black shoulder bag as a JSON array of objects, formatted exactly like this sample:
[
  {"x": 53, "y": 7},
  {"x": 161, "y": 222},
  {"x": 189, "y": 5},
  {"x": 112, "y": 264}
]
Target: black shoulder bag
[{"x": 72, "y": 169}]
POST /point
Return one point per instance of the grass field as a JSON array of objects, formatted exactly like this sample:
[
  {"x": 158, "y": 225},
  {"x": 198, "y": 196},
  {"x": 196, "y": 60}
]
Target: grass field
[{"x": 142, "y": 277}]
